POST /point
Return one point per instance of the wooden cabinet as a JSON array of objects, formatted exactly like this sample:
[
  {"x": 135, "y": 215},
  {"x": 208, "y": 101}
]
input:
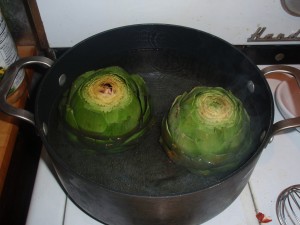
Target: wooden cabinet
[{"x": 9, "y": 125}]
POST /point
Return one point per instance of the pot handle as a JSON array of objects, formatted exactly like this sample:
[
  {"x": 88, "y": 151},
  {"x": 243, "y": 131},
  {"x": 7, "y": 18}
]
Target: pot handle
[
  {"x": 7, "y": 82},
  {"x": 287, "y": 123}
]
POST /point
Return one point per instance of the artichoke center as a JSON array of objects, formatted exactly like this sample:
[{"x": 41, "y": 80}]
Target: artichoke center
[
  {"x": 106, "y": 89},
  {"x": 215, "y": 109},
  {"x": 106, "y": 92}
]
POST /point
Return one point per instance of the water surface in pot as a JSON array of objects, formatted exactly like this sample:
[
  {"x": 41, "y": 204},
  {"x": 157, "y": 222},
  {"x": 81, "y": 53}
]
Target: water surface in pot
[{"x": 146, "y": 169}]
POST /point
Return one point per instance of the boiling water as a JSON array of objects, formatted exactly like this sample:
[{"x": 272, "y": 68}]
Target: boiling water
[{"x": 146, "y": 169}]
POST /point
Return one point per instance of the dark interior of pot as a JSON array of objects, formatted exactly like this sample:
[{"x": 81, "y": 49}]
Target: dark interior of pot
[{"x": 172, "y": 60}]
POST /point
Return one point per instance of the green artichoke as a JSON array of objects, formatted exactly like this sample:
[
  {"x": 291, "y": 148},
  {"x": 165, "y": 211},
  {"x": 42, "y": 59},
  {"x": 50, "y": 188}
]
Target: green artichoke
[
  {"x": 107, "y": 108},
  {"x": 207, "y": 131}
]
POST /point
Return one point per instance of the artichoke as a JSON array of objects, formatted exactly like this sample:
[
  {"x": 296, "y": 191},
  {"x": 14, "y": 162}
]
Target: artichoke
[
  {"x": 207, "y": 131},
  {"x": 107, "y": 108}
]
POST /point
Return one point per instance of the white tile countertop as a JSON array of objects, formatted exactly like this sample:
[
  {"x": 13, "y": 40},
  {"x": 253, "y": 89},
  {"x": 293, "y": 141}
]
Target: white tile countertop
[{"x": 277, "y": 168}]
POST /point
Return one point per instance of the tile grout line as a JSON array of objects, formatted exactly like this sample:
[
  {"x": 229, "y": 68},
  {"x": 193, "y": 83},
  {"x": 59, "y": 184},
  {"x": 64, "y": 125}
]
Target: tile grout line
[
  {"x": 253, "y": 199},
  {"x": 65, "y": 209}
]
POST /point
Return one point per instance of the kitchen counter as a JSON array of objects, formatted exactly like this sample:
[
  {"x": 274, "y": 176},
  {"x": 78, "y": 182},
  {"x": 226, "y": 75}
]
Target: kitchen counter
[{"x": 277, "y": 168}]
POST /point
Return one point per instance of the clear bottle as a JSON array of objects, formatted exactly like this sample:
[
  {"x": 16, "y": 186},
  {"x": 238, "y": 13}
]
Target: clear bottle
[{"x": 8, "y": 55}]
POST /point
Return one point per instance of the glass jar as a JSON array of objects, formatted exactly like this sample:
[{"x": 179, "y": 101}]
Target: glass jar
[{"x": 8, "y": 55}]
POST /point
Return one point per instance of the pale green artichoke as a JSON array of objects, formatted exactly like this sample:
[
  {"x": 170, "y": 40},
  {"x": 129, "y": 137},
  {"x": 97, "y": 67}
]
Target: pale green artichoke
[
  {"x": 207, "y": 131},
  {"x": 107, "y": 108}
]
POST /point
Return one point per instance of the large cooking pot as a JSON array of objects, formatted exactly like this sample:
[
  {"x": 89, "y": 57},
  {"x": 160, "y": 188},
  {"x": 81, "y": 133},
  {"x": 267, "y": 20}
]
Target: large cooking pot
[{"x": 142, "y": 186}]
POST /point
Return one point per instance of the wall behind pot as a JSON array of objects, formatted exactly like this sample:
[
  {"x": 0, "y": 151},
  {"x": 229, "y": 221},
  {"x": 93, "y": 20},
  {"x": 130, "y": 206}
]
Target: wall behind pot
[{"x": 67, "y": 22}]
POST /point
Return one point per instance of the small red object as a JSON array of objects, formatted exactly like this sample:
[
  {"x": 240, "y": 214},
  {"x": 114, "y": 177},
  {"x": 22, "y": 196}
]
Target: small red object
[{"x": 262, "y": 218}]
